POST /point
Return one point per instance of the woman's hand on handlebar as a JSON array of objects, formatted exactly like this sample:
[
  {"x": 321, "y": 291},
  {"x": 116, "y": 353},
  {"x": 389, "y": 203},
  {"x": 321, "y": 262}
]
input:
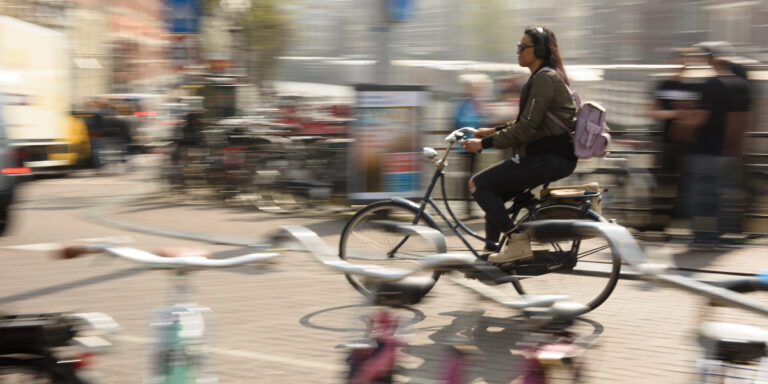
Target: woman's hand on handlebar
[
  {"x": 483, "y": 132},
  {"x": 472, "y": 145}
]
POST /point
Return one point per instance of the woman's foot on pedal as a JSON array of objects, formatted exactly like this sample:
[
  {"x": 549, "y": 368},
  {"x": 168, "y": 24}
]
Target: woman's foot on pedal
[{"x": 516, "y": 248}]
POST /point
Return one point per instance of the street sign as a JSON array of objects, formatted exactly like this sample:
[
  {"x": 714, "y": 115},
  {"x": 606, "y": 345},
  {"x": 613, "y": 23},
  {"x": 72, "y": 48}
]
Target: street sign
[
  {"x": 185, "y": 16},
  {"x": 400, "y": 10}
]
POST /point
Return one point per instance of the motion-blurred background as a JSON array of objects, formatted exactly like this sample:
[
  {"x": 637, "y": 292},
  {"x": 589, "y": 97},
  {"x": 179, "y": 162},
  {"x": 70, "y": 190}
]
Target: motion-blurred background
[{"x": 264, "y": 90}]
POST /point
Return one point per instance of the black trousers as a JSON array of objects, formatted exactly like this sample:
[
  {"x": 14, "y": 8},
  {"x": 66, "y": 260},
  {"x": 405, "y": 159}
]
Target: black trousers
[{"x": 502, "y": 181}]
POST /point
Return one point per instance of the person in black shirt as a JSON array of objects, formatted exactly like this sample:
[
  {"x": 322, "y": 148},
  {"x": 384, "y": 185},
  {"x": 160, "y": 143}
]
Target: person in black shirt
[
  {"x": 678, "y": 92},
  {"x": 713, "y": 161}
]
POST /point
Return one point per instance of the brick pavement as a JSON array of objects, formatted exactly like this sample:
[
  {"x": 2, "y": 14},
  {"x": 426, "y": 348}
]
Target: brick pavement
[{"x": 281, "y": 325}]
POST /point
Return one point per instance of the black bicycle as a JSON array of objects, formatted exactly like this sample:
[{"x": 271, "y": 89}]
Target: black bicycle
[{"x": 585, "y": 269}]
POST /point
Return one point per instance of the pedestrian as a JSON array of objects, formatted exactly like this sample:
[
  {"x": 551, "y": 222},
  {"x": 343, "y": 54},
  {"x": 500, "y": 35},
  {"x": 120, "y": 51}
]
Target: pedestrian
[
  {"x": 543, "y": 151},
  {"x": 677, "y": 92},
  {"x": 95, "y": 124},
  {"x": 713, "y": 162},
  {"x": 507, "y": 104},
  {"x": 470, "y": 110}
]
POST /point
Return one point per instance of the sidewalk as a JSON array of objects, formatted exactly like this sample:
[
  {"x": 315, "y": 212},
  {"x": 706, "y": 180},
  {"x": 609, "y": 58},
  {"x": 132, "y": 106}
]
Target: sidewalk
[{"x": 648, "y": 332}]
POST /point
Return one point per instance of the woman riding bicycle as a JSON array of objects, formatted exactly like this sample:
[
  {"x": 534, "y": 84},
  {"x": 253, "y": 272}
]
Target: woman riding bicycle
[{"x": 543, "y": 150}]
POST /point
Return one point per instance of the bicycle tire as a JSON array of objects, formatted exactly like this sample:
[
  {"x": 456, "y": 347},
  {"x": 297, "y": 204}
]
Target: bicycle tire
[
  {"x": 364, "y": 242},
  {"x": 580, "y": 284}
]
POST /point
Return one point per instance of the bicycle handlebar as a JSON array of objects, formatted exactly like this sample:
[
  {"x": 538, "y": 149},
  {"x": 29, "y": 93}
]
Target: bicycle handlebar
[
  {"x": 624, "y": 245},
  {"x": 156, "y": 261},
  {"x": 458, "y": 134},
  {"x": 311, "y": 242},
  {"x": 445, "y": 261}
]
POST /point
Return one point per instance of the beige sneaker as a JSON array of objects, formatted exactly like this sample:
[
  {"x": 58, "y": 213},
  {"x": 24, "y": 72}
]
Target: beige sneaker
[{"x": 516, "y": 248}]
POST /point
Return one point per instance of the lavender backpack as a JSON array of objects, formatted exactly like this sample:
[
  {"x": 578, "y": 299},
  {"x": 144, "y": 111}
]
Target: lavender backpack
[{"x": 591, "y": 137}]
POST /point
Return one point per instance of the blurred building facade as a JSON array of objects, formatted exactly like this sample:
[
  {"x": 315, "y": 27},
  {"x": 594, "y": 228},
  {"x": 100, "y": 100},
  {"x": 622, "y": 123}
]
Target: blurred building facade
[
  {"x": 115, "y": 45},
  {"x": 140, "y": 44},
  {"x": 345, "y": 41},
  {"x": 124, "y": 45},
  {"x": 589, "y": 32}
]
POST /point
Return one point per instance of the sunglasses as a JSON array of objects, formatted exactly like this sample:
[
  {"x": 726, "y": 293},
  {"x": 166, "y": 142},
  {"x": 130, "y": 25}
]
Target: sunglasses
[{"x": 522, "y": 47}]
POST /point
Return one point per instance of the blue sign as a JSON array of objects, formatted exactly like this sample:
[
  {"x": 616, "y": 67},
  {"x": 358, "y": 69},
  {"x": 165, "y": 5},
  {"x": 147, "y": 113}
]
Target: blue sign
[
  {"x": 185, "y": 16},
  {"x": 400, "y": 10}
]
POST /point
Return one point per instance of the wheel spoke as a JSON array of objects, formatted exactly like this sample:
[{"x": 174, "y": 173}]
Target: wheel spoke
[
  {"x": 363, "y": 241},
  {"x": 583, "y": 286},
  {"x": 592, "y": 251}
]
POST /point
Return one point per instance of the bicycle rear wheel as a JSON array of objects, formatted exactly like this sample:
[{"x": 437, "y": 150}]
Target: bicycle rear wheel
[
  {"x": 365, "y": 241},
  {"x": 595, "y": 273}
]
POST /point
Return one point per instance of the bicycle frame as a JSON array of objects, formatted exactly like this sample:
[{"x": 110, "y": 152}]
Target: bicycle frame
[
  {"x": 180, "y": 331},
  {"x": 457, "y": 226}
]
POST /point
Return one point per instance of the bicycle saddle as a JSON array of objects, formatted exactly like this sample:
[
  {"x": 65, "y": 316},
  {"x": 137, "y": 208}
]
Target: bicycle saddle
[{"x": 733, "y": 342}]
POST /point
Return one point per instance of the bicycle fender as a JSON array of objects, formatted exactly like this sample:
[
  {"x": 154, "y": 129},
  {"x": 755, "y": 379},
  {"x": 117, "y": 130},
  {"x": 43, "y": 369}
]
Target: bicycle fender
[{"x": 410, "y": 204}]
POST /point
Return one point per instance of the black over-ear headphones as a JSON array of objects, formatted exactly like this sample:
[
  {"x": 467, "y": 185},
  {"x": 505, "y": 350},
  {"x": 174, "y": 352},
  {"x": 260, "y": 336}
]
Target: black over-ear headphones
[{"x": 542, "y": 46}]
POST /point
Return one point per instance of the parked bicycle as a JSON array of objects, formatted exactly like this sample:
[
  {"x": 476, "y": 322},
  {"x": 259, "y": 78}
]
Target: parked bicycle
[
  {"x": 292, "y": 174},
  {"x": 733, "y": 352},
  {"x": 557, "y": 267},
  {"x": 182, "y": 329}
]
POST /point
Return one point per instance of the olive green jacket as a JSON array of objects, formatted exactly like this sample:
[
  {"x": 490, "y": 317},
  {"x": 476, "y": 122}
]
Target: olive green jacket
[{"x": 545, "y": 91}]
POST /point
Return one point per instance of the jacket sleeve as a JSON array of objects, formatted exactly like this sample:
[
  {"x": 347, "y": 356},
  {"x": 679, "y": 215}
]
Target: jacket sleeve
[{"x": 525, "y": 129}]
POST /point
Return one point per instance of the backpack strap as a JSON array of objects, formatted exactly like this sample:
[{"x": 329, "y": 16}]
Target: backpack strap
[
  {"x": 575, "y": 96},
  {"x": 573, "y": 93},
  {"x": 558, "y": 122}
]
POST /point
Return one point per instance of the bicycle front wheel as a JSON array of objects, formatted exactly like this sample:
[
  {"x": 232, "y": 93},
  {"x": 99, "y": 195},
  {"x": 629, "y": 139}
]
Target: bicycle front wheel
[
  {"x": 595, "y": 273},
  {"x": 366, "y": 241}
]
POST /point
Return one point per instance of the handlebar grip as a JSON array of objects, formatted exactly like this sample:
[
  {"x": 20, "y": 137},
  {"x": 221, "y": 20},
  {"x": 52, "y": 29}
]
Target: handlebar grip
[{"x": 73, "y": 251}]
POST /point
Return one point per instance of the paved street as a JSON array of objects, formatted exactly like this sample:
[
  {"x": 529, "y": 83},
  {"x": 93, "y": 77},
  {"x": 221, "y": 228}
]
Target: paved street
[{"x": 280, "y": 324}]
